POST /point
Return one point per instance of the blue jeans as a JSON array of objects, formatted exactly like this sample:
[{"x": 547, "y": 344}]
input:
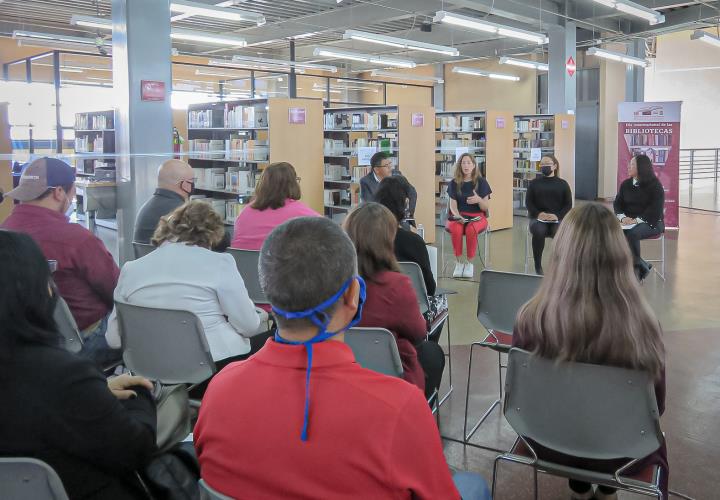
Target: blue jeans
[
  {"x": 471, "y": 486},
  {"x": 96, "y": 348}
]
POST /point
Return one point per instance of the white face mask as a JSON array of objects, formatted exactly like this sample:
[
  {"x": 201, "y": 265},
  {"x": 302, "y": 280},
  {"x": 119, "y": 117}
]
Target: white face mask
[{"x": 69, "y": 210}]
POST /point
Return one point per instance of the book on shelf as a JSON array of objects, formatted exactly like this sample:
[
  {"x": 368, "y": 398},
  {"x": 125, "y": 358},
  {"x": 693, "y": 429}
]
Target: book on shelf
[
  {"x": 334, "y": 146},
  {"x": 534, "y": 125},
  {"x": 359, "y": 172},
  {"x": 360, "y": 120},
  {"x": 200, "y": 118},
  {"x": 338, "y": 197},
  {"x": 335, "y": 172},
  {"x": 462, "y": 123},
  {"x": 533, "y": 143}
]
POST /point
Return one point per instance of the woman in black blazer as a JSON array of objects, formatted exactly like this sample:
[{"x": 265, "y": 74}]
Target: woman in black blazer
[
  {"x": 58, "y": 407},
  {"x": 639, "y": 206}
]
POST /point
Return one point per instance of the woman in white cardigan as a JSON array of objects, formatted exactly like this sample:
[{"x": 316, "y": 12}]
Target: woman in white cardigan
[{"x": 184, "y": 273}]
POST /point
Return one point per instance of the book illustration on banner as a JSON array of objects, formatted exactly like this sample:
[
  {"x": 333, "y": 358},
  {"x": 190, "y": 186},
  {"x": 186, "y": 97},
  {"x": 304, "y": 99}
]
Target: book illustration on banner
[{"x": 656, "y": 146}]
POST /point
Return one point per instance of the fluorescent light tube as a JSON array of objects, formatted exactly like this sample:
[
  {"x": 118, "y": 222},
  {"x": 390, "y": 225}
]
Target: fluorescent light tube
[
  {"x": 617, "y": 56},
  {"x": 361, "y": 57},
  {"x": 203, "y": 10},
  {"x": 606, "y": 3},
  {"x": 478, "y": 72},
  {"x": 400, "y": 42},
  {"x": 199, "y": 36},
  {"x": 489, "y": 27},
  {"x": 651, "y": 16},
  {"x": 706, "y": 37},
  {"x": 91, "y": 22},
  {"x": 524, "y": 63},
  {"x": 280, "y": 62},
  {"x": 31, "y": 35},
  {"x": 405, "y": 76},
  {"x": 392, "y": 61}
]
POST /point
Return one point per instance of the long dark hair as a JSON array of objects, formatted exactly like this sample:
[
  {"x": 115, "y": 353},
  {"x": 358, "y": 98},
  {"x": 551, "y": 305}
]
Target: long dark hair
[
  {"x": 646, "y": 173},
  {"x": 394, "y": 193},
  {"x": 26, "y": 304},
  {"x": 372, "y": 229},
  {"x": 278, "y": 183}
]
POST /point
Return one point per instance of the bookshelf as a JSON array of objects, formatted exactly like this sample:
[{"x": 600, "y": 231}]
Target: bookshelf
[
  {"x": 230, "y": 143},
  {"x": 353, "y": 134},
  {"x": 533, "y": 137},
  {"x": 95, "y": 136},
  {"x": 5, "y": 165}
]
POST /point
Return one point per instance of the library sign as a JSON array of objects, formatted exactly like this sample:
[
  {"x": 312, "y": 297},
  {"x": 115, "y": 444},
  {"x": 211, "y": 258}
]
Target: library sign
[{"x": 653, "y": 129}]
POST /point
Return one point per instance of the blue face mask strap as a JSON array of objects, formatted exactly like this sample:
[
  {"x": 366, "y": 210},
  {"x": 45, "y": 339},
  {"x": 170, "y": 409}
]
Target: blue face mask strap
[{"x": 321, "y": 319}]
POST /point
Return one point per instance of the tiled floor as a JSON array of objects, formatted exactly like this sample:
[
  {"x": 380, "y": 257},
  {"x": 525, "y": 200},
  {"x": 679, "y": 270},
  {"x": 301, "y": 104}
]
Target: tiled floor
[{"x": 688, "y": 306}]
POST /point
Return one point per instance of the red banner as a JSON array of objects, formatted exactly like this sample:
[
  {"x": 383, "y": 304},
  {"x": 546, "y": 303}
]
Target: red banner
[{"x": 653, "y": 129}]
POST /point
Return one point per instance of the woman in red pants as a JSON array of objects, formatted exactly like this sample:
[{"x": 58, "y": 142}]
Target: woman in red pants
[{"x": 469, "y": 198}]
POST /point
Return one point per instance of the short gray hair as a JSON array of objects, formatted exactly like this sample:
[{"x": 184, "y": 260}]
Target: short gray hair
[{"x": 304, "y": 262}]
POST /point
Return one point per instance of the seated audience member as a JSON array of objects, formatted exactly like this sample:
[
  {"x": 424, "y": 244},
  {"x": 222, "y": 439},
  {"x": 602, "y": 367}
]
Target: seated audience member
[
  {"x": 382, "y": 168},
  {"x": 331, "y": 429},
  {"x": 57, "y": 407},
  {"x": 409, "y": 246},
  {"x": 175, "y": 183},
  {"x": 183, "y": 273},
  {"x": 391, "y": 299},
  {"x": 566, "y": 320},
  {"x": 277, "y": 199},
  {"x": 469, "y": 200},
  {"x": 639, "y": 206},
  {"x": 86, "y": 273}
]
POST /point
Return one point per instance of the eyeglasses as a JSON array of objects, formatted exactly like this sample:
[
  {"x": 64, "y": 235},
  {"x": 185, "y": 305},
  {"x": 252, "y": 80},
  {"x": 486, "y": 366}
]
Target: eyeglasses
[
  {"x": 298, "y": 179},
  {"x": 386, "y": 165}
]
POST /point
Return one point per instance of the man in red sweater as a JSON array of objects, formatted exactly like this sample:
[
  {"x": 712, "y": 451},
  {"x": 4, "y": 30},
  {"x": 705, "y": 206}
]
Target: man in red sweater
[
  {"x": 86, "y": 273},
  {"x": 300, "y": 418}
]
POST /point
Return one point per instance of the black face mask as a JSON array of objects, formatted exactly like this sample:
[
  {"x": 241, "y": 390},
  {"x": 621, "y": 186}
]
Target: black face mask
[{"x": 546, "y": 170}]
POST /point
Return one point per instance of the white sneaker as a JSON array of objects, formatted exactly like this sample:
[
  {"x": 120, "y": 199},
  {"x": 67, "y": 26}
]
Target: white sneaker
[
  {"x": 459, "y": 270},
  {"x": 469, "y": 270}
]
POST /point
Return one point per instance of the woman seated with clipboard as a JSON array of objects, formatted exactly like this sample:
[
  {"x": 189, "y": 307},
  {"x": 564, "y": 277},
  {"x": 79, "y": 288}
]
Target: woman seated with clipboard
[{"x": 548, "y": 200}]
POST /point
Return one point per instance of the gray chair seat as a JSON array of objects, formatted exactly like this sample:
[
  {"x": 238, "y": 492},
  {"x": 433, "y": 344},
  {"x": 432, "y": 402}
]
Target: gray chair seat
[
  {"x": 247, "y": 264},
  {"x": 29, "y": 479}
]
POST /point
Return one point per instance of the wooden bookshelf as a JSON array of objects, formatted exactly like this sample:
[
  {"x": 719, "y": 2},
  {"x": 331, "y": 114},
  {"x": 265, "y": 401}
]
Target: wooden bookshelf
[
  {"x": 379, "y": 128},
  {"x": 94, "y": 137},
  {"x": 535, "y": 136},
  {"x": 499, "y": 159},
  {"x": 230, "y": 143},
  {"x": 5, "y": 165}
]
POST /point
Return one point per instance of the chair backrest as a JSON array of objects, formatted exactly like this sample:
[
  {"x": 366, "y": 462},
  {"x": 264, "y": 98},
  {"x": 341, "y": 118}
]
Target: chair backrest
[
  {"x": 207, "y": 493},
  {"x": 29, "y": 478},
  {"x": 500, "y": 297},
  {"x": 164, "y": 344},
  {"x": 580, "y": 409},
  {"x": 247, "y": 264},
  {"x": 375, "y": 349},
  {"x": 142, "y": 249},
  {"x": 67, "y": 326},
  {"x": 413, "y": 271}
]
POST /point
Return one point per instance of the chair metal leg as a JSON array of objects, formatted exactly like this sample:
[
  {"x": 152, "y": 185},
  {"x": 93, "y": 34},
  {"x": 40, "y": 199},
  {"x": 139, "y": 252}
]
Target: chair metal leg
[
  {"x": 527, "y": 248},
  {"x": 535, "y": 483},
  {"x": 487, "y": 248},
  {"x": 494, "y": 475},
  {"x": 679, "y": 495},
  {"x": 449, "y": 356},
  {"x": 467, "y": 435}
]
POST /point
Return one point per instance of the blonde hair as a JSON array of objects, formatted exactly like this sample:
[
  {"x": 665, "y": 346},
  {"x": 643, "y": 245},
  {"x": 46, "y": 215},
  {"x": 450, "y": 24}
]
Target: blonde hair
[
  {"x": 589, "y": 307},
  {"x": 459, "y": 173},
  {"x": 194, "y": 223}
]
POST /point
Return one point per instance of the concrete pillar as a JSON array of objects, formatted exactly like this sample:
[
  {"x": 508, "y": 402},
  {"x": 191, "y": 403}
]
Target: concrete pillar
[
  {"x": 439, "y": 89},
  {"x": 141, "y": 51},
  {"x": 561, "y": 84},
  {"x": 635, "y": 75}
]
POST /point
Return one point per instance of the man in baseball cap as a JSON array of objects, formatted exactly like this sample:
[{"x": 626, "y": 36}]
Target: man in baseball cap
[{"x": 86, "y": 273}]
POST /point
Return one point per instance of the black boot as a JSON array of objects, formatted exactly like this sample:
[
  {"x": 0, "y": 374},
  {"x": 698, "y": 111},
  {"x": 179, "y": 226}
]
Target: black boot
[{"x": 539, "y": 270}]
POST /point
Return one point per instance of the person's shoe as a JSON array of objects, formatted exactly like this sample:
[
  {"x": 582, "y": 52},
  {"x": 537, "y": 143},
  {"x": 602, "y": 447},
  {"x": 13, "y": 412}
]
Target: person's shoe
[
  {"x": 469, "y": 271},
  {"x": 599, "y": 495},
  {"x": 539, "y": 270},
  {"x": 459, "y": 268},
  {"x": 644, "y": 269}
]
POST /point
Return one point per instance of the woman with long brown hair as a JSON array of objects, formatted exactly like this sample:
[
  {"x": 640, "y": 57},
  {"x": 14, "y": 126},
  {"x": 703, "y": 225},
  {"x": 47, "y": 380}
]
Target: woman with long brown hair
[
  {"x": 391, "y": 301},
  {"x": 589, "y": 309},
  {"x": 277, "y": 199}
]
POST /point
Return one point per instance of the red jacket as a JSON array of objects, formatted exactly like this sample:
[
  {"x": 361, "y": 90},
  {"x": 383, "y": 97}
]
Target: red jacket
[
  {"x": 369, "y": 435},
  {"x": 392, "y": 304},
  {"x": 86, "y": 274}
]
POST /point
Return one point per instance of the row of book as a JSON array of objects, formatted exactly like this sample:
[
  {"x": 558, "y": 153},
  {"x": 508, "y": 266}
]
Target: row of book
[
  {"x": 462, "y": 142},
  {"x": 227, "y": 209},
  {"x": 86, "y": 144},
  {"x": 360, "y": 120},
  {"x": 231, "y": 179},
  {"x": 534, "y": 143},
  {"x": 526, "y": 166},
  {"x": 94, "y": 122},
  {"x": 648, "y": 139},
  {"x": 535, "y": 125},
  {"x": 461, "y": 123},
  {"x": 342, "y": 197},
  {"x": 245, "y": 116},
  {"x": 229, "y": 149},
  {"x": 335, "y": 172}
]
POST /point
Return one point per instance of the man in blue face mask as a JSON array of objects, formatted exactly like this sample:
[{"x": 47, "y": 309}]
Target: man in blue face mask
[{"x": 301, "y": 418}]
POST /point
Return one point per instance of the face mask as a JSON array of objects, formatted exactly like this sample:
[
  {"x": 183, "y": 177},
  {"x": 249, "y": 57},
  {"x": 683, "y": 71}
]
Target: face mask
[
  {"x": 546, "y": 170},
  {"x": 192, "y": 186},
  {"x": 69, "y": 210},
  {"x": 318, "y": 316}
]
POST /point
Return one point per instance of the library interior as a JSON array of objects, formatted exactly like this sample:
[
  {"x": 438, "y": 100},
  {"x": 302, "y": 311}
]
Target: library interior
[{"x": 462, "y": 249}]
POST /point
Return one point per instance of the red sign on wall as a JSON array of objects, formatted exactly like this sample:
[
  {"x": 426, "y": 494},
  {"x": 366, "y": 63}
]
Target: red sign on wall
[
  {"x": 151, "y": 90},
  {"x": 571, "y": 66}
]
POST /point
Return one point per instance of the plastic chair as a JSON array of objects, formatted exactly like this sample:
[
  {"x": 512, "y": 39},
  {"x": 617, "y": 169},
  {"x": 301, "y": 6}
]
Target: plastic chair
[
  {"x": 546, "y": 402},
  {"x": 500, "y": 297},
  {"x": 247, "y": 264},
  {"x": 413, "y": 271},
  {"x": 142, "y": 249},
  {"x": 207, "y": 493},
  {"x": 375, "y": 349},
  {"x": 28, "y": 478},
  {"x": 66, "y": 326},
  {"x": 164, "y": 344},
  {"x": 661, "y": 260}
]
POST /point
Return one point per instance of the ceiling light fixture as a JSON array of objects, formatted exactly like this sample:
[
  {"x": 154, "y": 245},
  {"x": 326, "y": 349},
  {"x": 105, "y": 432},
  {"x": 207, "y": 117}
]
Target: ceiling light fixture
[
  {"x": 199, "y": 36},
  {"x": 361, "y": 57},
  {"x": 634, "y": 9},
  {"x": 706, "y": 37},
  {"x": 478, "y": 72},
  {"x": 489, "y": 27},
  {"x": 203, "y": 10},
  {"x": 280, "y": 62},
  {"x": 404, "y": 76},
  {"x": 91, "y": 22},
  {"x": 617, "y": 56},
  {"x": 400, "y": 43},
  {"x": 31, "y": 35},
  {"x": 524, "y": 63},
  {"x": 251, "y": 65}
]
